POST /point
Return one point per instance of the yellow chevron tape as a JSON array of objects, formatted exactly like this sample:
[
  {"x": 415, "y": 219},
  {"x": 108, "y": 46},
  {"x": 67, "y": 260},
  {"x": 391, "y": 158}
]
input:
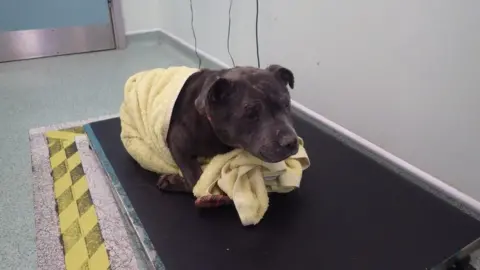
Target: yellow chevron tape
[{"x": 82, "y": 239}]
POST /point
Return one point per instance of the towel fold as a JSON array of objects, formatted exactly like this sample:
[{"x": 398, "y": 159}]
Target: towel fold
[
  {"x": 247, "y": 180},
  {"x": 145, "y": 115}
]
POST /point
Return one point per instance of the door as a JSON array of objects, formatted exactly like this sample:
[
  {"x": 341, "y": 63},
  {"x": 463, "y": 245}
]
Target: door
[{"x": 39, "y": 28}]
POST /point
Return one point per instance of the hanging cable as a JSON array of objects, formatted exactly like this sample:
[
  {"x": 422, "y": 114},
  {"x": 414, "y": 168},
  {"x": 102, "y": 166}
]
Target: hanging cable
[
  {"x": 194, "y": 35},
  {"x": 256, "y": 37},
  {"x": 228, "y": 36}
]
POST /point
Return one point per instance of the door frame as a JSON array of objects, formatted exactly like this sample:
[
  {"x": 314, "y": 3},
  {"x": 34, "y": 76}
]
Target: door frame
[
  {"x": 118, "y": 24},
  {"x": 37, "y": 43}
]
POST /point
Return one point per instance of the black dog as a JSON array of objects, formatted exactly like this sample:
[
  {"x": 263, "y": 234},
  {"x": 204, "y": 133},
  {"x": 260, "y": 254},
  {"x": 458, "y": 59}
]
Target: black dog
[{"x": 219, "y": 110}]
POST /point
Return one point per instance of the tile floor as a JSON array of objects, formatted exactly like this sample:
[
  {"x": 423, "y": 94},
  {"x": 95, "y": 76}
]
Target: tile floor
[{"x": 45, "y": 91}]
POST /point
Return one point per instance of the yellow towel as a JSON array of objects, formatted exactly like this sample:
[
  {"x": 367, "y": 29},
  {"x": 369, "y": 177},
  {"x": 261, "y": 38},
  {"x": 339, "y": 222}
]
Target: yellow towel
[
  {"x": 247, "y": 180},
  {"x": 145, "y": 113}
]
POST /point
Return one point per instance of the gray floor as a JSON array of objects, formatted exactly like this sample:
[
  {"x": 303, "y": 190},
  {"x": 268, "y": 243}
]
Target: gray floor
[{"x": 53, "y": 90}]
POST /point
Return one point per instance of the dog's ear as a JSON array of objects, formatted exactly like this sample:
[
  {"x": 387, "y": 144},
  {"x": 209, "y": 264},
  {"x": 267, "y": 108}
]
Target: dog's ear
[
  {"x": 214, "y": 91},
  {"x": 283, "y": 74}
]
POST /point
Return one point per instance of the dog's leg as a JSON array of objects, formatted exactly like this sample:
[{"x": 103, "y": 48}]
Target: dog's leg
[
  {"x": 173, "y": 183},
  {"x": 191, "y": 171}
]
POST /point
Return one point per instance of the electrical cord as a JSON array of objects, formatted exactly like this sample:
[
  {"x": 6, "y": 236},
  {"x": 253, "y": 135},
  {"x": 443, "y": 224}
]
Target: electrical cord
[
  {"x": 256, "y": 36},
  {"x": 228, "y": 36},
  {"x": 194, "y": 35}
]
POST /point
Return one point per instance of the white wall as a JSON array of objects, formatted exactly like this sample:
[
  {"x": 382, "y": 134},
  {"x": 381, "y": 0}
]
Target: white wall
[
  {"x": 403, "y": 74},
  {"x": 141, "y": 15}
]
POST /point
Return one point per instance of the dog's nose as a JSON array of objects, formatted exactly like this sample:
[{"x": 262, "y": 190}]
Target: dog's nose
[{"x": 289, "y": 142}]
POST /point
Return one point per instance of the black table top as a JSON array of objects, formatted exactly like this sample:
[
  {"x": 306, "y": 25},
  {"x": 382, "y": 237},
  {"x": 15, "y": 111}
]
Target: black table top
[{"x": 350, "y": 213}]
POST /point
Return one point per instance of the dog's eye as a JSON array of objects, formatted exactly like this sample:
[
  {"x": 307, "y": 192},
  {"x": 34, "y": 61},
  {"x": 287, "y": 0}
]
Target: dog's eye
[
  {"x": 252, "y": 112},
  {"x": 285, "y": 102}
]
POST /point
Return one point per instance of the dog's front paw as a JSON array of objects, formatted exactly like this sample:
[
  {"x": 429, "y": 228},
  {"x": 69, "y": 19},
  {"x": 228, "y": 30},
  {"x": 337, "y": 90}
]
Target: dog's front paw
[
  {"x": 173, "y": 183},
  {"x": 212, "y": 201}
]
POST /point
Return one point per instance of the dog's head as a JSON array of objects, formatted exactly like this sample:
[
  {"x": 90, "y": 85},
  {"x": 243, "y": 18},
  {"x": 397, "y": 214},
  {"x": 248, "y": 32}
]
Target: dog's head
[{"x": 249, "y": 108}]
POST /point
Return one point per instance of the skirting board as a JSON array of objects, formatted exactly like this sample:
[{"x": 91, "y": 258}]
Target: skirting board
[
  {"x": 151, "y": 35},
  {"x": 419, "y": 177}
]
